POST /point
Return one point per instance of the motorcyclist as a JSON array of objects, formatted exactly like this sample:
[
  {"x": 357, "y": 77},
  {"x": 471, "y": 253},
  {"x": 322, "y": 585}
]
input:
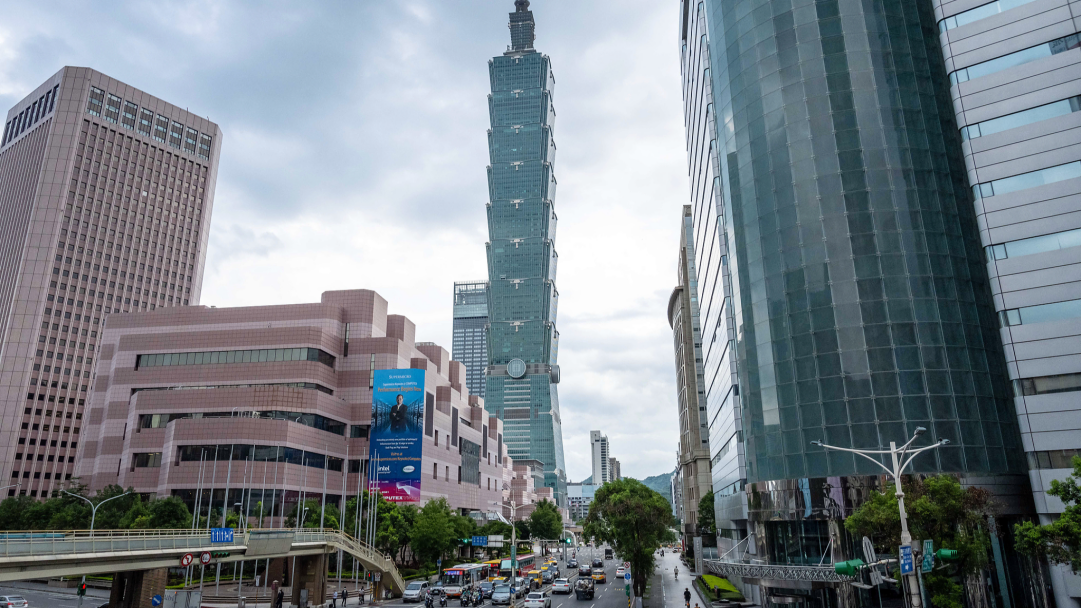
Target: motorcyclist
[
  {"x": 442, "y": 599},
  {"x": 428, "y": 602}
]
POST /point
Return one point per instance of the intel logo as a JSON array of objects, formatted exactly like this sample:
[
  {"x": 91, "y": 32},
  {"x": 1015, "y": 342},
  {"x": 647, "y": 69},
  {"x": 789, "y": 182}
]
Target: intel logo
[{"x": 408, "y": 469}]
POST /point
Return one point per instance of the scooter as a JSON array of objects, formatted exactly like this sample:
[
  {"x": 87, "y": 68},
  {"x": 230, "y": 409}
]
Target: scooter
[{"x": 442, "y": 600}]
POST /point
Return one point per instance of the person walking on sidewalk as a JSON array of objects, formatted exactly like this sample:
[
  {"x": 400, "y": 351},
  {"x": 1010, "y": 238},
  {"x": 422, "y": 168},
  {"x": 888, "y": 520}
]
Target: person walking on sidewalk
[
  {"x": 687, "y": 596},
  {"x": 345, "y": 596}
]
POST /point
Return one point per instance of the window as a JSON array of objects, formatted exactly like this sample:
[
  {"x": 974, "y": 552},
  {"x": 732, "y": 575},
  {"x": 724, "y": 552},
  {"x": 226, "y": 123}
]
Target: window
[
  {"x": 146, "y": 460},
  {"x": 980, "y": 12},
  {"x": 1022, "y": 118},
  {"x": 1036, "y": 244},
  {"x": 435, "y": 471},
  {"x": 1031, "y": 179},
  {"x": 95, "y": 102},
  {"x": 1015, "y": 59},
  {"x": 236, "y": 356},
  {"x": 1046, "y": 385},
  {"x": 1041, "y": 313},
  {"x": 1052, "y": 459}
]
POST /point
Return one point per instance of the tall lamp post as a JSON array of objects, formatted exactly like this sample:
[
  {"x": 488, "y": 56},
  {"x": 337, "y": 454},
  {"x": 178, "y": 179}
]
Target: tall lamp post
[
  {"x": 900, "y": 463},
  {"x": 513, "y": 540},
  {"x": 93, "y": 516}
]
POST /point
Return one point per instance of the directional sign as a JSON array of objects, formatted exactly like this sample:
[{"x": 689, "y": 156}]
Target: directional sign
[
  {"x": 186, "y": 560},
  {"x": 907, "y": 566},
  {"x": 155, "y": 601},
  {"x": 627, "y": 576},
  {"x": 928, "y": 555},
  {"x": 221, "y": 535},
  {"x": 204, "y": 559},
  {"x": 480, "y": 541}
]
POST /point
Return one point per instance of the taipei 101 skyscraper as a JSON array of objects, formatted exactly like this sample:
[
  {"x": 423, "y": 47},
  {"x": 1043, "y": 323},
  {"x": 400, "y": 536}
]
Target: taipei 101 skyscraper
[{"x": 521, "y": 377}]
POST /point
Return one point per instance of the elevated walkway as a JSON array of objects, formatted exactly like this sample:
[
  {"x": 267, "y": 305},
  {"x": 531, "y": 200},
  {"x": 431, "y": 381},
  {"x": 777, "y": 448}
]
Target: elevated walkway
[{"x": 47, "y": 554}]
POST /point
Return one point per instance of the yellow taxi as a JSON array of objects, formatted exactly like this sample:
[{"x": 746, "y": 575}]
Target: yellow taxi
[{"x": 598, "y": 576}]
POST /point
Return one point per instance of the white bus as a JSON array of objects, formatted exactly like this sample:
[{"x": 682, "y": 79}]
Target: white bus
[{"x": 463, "y": 577}]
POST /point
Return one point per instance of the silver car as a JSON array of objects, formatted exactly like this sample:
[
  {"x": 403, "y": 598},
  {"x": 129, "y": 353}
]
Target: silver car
[
  {"x": 502, "y": 595},
  {"x": 538, "y": 599},
  {"x": 561, "y": 585},
  {"x": 417, "y": 591},
  {"x": 13, "y": 601}
]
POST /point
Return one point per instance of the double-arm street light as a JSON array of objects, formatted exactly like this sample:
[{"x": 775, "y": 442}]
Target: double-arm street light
[
  {"x": 900, "y": 463},
  {"x": 93, "y": 516},
  {"x": 513, "y": 539}
]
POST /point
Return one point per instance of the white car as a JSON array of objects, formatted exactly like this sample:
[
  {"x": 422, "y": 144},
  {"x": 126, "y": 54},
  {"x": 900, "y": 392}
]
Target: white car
[
  {"x": 417, "y": 591},
  {"x": 538, "y": 599},
  {"x": 619, "y": 571},
  {"x": 13, "y": 601},
  {"x": 561, "y": 585}
]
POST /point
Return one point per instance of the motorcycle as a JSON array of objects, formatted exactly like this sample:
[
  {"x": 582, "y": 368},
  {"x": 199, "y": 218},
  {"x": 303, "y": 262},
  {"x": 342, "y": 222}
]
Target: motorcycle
[{"x": 442, "y": 600}]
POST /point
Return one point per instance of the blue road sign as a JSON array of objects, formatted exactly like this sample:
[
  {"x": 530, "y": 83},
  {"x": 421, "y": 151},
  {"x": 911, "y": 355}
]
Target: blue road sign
[
  {"x": 221, "y": 535},
  {"x": 480, "y": 541},
  {"x": 155, "y": 601},
  {"x": 907, "y": 567},
  {"x": 626, "y": 576}
]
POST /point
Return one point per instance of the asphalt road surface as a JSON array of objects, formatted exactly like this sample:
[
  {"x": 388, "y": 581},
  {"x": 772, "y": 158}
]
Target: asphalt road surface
[
  {"x": 49, "y": 598},
  {"x": 608, "y": 595}
]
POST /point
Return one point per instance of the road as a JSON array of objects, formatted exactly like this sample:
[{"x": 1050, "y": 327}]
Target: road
[
  {"x": 608, "y": 595},
  {"x": 42, "y": 596}
]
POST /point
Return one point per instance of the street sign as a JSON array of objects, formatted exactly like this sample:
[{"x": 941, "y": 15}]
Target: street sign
[
  {"x": 221, "y": 535},
  {"x": 627, "y": 576},
  {"x": 626, "y": 564},
  {"x": 928, "y": 555},
  {"x": 186, "y": 560},
  {"x": 378, "y": 576},
  {"x": 204, "y": 559},
  {"x": 907, "y": 567},
  {"x": 480, "y": 541},
  {"x": 869, "y": 551},
  {"x": 155, "y": 601}
]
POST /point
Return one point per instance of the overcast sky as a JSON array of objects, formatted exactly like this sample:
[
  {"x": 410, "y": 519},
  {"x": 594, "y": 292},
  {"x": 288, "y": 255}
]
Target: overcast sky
[{"x": 354, "y": 156}]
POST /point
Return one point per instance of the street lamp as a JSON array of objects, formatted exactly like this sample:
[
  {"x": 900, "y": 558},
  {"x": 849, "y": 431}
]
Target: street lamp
[
  {"x": 897, "y": 454},
  {"x": 93, "y": 516},
  {"x": 14, "y": 485},
  {"x": 513, "y": 539}
]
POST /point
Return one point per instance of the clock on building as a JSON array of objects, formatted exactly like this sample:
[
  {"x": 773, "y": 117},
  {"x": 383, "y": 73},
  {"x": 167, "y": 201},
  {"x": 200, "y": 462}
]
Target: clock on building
[{"x": 516, "y": 368}]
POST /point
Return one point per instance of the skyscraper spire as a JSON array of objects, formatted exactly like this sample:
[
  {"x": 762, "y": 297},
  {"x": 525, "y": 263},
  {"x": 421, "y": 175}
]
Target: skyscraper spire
[{"x": 521, "y": 28}]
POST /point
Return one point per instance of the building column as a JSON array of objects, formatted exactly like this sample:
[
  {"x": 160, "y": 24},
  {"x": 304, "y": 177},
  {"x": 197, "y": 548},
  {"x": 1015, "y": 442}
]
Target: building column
[
  {"x": 311, "y": 573},
  {"x": 136, "y": 588}
]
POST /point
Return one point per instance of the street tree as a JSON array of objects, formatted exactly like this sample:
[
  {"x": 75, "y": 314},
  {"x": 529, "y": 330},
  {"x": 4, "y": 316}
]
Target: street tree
[
  {"x": 707, "y": 517},
  {"x": 635, "y": 520},
  {"x": 938, "y": 509},
  {"x": 1060, "y": 540},
  {"x": 433, "y": 531},
  {"x": 545, "y": 522}
]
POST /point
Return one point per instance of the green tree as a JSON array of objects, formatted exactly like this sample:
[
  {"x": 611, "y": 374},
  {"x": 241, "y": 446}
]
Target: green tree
[
  {"x": 938, "y": 509},
  {"x": 311, "y": 517},
  {"x": 522, "y": 529},
  {"x": 707, "y": 517},
  {"x": 167, "y": 513},
  {"x": 433, "y": 531},
  {"x": 545, "y": 522},
  {"x": 1060, "y": 540},
  {"x": 635, "y": 520},
  {"x": 497, "y": 528}
]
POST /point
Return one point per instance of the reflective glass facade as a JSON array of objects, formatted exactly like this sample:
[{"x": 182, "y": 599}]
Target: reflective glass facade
[
  {"x": 522, "y": 294},
  {"x": 469, "y": 341}
]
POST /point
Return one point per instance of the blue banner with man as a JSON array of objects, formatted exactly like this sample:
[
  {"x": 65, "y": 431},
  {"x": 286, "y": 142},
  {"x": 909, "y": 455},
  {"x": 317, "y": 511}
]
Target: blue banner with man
[{"x": 397, "y": 429}]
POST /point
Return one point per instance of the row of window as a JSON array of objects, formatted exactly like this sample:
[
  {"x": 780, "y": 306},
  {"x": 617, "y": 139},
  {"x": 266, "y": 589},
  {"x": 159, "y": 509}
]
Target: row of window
[
  {"x": 1032, "y": 179},
  {"x": 980, "y": 12},
  {"x": 30, "y": 116},
  {"x": 1040, "y": 313},
  {"x": 307, "y": 385},
  {"x": 258, "y": 453},
  {"x": 265, "y": 355},
  {"x": 1047, "y": 385},
  {"x": 1034, "y": 53},
  {"x": 1036, "y": 244},
  {"x": 160, "y": 128},
  {"x": 1061, "y": 107},
  {"x": 315, "y": 421},
  {"x": 1052, "y": 459}
]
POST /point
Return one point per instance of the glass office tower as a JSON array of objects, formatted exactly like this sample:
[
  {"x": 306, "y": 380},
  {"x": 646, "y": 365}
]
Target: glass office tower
[
  {"x": 859, "y": 295},
  {"x": 522, "y": 339},
  {"x": 469, "y": 337}
]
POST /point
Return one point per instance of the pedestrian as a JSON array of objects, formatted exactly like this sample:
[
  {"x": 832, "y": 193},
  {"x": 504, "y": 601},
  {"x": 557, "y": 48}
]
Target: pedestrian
[
  {"x": 278, "y": 601},
  {"x": 334, "y": 600},
  {"x": 345, "y": 596}
]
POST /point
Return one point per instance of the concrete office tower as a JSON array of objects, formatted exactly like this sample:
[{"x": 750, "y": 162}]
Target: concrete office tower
[
  {"x": 859, "y": 289},
  {"x": 105, "y": 201},
  {"x": 613, "y": 467},
  {"x": 523, "y": 342},
  {"x": 683, "y": 318},
  {"x": 260, "y": 403},
  {"x": 602, "y": 465},
  {"x": 1015, "y": 71},
  {"x": 469, "y": 340}
]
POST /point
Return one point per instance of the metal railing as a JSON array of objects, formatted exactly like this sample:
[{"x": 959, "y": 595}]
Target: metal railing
[
  {"x": 25, "y": 548},
  {"x": 750, "y": 569}
]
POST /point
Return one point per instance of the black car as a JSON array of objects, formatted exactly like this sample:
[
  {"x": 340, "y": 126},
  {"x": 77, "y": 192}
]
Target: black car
[
  {"x": 598, "y": 563},
  {"x": 572, "y": 563},
  {"x": 584, "y": 570},
  {"x": 486, "y": 589}
]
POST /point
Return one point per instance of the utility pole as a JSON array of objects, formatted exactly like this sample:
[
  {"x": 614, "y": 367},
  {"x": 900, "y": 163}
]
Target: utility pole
[
  {"x": 899, "y": 464},
  {"x": 93, "y": 516}
]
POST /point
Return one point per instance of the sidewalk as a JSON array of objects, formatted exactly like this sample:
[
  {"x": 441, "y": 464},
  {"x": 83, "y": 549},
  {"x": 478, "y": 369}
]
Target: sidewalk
[{"x": 673, "y": 587}]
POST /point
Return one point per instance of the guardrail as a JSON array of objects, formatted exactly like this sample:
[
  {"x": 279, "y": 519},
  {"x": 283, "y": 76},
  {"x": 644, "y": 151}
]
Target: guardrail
[{"x": 814, "y": 574}]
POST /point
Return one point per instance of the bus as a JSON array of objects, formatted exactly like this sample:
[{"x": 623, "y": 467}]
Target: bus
[
  {"x": 526, "y": 563},
  {"x": 462, "y": 578},
  {"x": 493, "y": 568}
]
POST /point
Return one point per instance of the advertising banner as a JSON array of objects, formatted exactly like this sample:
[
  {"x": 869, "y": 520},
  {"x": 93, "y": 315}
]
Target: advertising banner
[{"x": 397, "y": 429}]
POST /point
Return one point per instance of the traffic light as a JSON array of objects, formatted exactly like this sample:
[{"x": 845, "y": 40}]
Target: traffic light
[
  {"x": 946, "y": 554},
  {"x": 82, "y": 589},
  {"x": 567, "y": 540},
  {"x": 849, "y": 568},
  {"x": 219, "y": 554}
]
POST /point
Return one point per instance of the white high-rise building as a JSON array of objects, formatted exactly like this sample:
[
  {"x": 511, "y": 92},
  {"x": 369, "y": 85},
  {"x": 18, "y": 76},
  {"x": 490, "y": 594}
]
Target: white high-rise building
[{"x": 602, "y": 468}]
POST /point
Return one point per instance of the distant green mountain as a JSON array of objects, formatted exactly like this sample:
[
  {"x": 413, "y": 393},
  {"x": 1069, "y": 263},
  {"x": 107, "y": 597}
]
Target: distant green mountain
[{"x": 662, "y": 484}]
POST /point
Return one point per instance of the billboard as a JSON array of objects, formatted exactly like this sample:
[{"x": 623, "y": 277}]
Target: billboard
[{"x": 397, "y": 429}]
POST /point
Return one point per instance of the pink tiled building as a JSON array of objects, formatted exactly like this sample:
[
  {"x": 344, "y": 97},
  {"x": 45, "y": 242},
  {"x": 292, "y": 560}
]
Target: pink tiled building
[
  {"x": 228, "y": 405},
  {"x": 106, "y": 194}
]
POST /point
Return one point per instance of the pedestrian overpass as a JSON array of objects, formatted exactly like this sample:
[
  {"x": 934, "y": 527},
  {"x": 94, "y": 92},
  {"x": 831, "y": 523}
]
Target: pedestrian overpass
[{"x": 48, "y": 554}]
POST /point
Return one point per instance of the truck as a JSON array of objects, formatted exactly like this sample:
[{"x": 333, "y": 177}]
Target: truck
[
  {"x": 584, "y": 589},
  {"x": 607, "y": 553}
]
